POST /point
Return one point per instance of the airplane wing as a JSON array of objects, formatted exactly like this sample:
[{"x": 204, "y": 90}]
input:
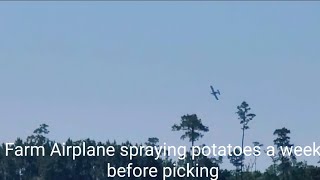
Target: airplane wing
[
  {"x": 215, "y": 95},
  {"x": 212, "y": 89}
]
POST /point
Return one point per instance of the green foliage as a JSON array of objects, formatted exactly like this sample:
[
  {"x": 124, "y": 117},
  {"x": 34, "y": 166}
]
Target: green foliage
[
  {"x": 153, "y": 141},
  {"x": 245, "y": 117},
  {"x": 236, "y": 160},
  {"x": 192, "y": 127},
  {"x": 286, "y": 162},
  {"x": 94, "y": 168}
]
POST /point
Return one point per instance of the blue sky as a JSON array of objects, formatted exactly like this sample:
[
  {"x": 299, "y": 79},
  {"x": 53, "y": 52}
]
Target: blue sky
[{"x": 129, "y": 70}]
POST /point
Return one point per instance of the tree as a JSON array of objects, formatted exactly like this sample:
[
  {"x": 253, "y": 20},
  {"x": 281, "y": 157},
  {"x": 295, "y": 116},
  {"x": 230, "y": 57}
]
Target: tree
[
  {"x": 256, "y": 143},
  {"x": 272, "y": 169},
  {"x": 55, "y": 167},
  {"x": 192, "y": 127},
  {"x": 245, "y": 117},
  {"x": 38, "y": 136},
  {"x": 153, "y": 141},
  {"x": 286, "y": 161},
  {"x": 236, "y": 160}
]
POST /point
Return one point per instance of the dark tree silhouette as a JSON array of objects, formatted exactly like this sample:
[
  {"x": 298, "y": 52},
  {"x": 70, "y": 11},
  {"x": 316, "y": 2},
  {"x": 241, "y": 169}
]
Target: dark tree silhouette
[
  {"x": 286, "y": 162},
  {"x": 245, "y": 117},
  {"x": 153, "y": 141},
  {"x": 256, "y": 143},
  {"x": 236, "y": 160},
  {"x": 192, "y": 126},
  {"x": 94, "y": 167}
]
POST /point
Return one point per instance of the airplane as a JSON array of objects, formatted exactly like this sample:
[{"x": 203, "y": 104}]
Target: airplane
[{"x": 215, "y": 92}]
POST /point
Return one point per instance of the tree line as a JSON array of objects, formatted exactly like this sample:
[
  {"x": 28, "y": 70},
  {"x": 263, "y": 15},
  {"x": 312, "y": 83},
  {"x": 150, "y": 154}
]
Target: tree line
[{"x": 94, "y": 168}]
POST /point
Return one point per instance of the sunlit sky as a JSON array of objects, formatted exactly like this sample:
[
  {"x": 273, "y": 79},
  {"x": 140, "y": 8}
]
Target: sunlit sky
[{"x": 130, "y": 70}]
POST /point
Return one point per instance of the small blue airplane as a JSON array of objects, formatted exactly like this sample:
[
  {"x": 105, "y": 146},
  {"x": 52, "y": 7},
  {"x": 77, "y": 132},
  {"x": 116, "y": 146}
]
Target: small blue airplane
[{"x": 215, "y": 92}]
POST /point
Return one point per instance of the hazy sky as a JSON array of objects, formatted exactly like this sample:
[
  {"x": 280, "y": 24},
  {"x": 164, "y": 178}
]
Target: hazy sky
[{"x": 129, "y": 70}]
